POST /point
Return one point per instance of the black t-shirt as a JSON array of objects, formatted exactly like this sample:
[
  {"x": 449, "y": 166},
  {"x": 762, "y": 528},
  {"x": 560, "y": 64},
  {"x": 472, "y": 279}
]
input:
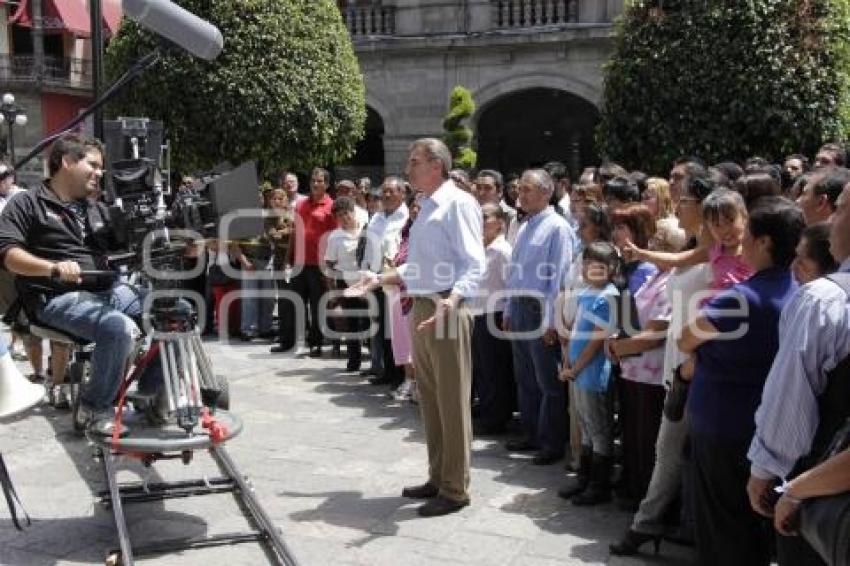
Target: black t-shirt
[{"x": 38, "y": 222}]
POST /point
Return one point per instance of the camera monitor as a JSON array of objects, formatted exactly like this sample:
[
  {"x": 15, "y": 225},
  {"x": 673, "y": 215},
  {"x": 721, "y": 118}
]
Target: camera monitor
[{"x": 237, "y": 190}]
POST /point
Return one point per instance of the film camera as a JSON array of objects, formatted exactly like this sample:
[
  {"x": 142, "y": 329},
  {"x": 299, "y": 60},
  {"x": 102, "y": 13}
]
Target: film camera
[{"x": 142, "y": 204}]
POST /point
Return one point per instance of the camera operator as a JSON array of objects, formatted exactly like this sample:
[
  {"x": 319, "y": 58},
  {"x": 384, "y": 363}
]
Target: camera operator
[{"x": 48, "y": 237}]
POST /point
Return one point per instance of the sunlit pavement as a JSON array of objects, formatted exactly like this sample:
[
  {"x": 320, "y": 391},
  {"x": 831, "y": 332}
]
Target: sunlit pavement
[{"x": 328, "y": 455}]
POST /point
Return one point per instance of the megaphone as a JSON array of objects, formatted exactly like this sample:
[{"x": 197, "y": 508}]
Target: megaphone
[{"x": 17, "y": 394}]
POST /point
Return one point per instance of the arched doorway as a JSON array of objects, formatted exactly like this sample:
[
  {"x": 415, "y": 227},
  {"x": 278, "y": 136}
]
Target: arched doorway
[
  {"x": 368, "y": 158},
  {"x": 529, "y": 127}
]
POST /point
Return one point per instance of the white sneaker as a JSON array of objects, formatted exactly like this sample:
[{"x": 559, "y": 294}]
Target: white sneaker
[
  {"x": 19, "y": 354},
  {"x": 402, "y": 393},
  {"x": 50, "y": 392},
  {"x": 63, "y": 396}
]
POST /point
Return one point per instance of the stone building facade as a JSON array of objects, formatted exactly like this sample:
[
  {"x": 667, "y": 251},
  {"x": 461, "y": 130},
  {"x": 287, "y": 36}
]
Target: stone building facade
[{"x": 534, "y": 68}]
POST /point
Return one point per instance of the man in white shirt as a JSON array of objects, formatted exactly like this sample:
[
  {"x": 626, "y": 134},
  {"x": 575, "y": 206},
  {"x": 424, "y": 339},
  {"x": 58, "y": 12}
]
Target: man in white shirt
[
  {"x": 443, "y": 270},
  {"x": 290, "y": 183},
  {"x": 383, "y": 238}
]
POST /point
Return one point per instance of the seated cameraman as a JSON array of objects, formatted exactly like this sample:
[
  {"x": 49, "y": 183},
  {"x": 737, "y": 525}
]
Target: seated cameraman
[{"x": 51, "y": 234}]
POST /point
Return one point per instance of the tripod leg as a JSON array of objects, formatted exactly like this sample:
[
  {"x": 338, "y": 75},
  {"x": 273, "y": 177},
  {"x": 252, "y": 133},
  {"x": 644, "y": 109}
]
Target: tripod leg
[
  {"x": 246, "y": 498},
  {"x": 117, "y": 507}
]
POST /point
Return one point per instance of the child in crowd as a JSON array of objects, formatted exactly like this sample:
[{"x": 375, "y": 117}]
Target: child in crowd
[
  {"x": 725, "y": 217},
  {"x": 587, "y": 367}
]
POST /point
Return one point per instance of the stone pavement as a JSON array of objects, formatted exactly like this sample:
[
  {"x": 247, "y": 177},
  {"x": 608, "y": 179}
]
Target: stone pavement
[{"x": 328, "y": 455}]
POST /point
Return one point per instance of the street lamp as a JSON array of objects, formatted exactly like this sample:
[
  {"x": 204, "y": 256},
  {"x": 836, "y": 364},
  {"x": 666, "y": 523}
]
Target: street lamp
[{"x": 13, "y": 115}]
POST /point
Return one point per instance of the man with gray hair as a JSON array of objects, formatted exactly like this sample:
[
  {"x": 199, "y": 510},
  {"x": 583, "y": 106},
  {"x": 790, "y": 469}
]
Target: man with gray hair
[
  {"x": 542, "y": 252},
  {"x": 383, "y": 238},
  {"x": 443, "y": 269}
]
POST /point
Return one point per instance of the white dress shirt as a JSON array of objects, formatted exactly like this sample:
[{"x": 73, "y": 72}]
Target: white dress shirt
[
  {"x": 446, "y": 245},
  {"x": 383, "y": 238},
  {"x": 497, "y": 257}
]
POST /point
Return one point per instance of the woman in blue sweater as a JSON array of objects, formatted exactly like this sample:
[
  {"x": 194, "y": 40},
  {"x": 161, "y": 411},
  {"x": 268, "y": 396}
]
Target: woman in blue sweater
[{"x": 732, "y": 344}]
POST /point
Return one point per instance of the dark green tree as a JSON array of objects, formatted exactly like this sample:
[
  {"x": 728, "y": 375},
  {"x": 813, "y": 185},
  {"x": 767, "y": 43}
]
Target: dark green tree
[
  {"x": 725, "y": 79},
  {"x": 286, "y": 91},
  {"x": 458, "y": 136}
]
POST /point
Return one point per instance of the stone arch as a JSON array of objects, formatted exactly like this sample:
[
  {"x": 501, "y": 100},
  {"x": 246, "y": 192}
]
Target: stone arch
[
  {"x": 493, "y": 91},
  {"x": 528, "y": 121},
  {"x": 383, "y": 112}
]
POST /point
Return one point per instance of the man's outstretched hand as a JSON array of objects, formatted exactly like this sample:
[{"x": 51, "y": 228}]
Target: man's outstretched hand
[{"x": 368, "y": 282}]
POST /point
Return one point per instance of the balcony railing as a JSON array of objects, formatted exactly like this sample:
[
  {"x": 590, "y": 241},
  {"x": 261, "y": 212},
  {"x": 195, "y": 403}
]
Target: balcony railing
[
  {"x": 370, "y": 20},
  {"x": 56, "y": 71},
  {"x": 532, "y": 13}
]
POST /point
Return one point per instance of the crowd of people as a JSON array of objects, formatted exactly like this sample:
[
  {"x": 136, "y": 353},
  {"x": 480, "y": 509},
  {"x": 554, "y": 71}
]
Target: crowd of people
[{"x": 678, "y": 341}]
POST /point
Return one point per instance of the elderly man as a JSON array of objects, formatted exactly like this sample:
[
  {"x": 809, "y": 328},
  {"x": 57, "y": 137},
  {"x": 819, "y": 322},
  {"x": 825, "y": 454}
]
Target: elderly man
[
  {"x": 383, "y": 237},
  {"x": 542, "y": 252},
  {"x": 444, "y": 265},
  {"x": 806, "y": 397},
  {"x": 289, "y": 181}
]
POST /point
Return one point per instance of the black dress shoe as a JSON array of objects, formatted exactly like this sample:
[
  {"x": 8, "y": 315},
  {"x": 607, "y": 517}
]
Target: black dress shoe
[
  {"x": 352, "y": 365},
  {"x": 631, "y": 543},
  {"x": 382, "y": 379},
  {"x": 488, "y": 429},
  {"x": 521, "y": 445},
  {"x": 546, "y": 457},
  {"x": 370, "y": 371},
  {"x": 441, "y": 506},
  {"x": 280, "y": 349},
  {"x": 315, "y": 352},
  {"x": 424, "y": 491}
]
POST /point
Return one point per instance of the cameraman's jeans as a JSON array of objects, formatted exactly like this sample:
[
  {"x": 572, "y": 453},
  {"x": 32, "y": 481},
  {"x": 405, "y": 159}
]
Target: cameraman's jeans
[
  {"x": 257, "y": 311},
  {"x": 104, "y": 318}
]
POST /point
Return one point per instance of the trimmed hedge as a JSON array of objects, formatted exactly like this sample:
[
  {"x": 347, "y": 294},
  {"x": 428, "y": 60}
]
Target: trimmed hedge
[
  {"x": 458, "y": 137},
  {"x": 286, "y": 91},
  {"x": 725, "y": 79}
]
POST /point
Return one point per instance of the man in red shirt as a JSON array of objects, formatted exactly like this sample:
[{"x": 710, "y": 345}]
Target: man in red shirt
[{"x": 313, "y": 221}]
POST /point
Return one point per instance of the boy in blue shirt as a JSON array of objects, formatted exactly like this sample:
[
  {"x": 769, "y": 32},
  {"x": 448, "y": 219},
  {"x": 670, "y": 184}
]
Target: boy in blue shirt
[{"x": 587, "y": 366}]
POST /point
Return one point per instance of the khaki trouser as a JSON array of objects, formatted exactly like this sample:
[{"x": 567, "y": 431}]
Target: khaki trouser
[{"x": 443, "y": 360}]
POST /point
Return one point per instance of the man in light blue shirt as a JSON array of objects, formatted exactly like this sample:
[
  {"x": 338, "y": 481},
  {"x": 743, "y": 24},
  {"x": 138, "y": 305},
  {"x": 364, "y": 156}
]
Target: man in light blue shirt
[
  {"x": 541, "y": 255},
  {"x": 811, "y": 363},
  {"x": 444, "y": 265}
]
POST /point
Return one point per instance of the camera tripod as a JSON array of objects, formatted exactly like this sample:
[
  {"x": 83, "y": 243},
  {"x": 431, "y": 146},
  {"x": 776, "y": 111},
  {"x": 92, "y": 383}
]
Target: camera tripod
[{"x": 168, "y": 429}]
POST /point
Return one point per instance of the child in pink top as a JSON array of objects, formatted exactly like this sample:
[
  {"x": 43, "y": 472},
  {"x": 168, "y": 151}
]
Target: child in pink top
[{"x": 725, "y": 218}]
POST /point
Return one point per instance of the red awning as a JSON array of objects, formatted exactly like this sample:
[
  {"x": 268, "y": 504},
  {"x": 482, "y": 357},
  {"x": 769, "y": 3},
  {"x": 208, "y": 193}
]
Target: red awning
[{"x": 70, "y": 16}]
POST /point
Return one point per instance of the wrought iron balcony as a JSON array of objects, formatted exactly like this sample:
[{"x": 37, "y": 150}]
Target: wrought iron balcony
[{"x": 56, "y": 71}]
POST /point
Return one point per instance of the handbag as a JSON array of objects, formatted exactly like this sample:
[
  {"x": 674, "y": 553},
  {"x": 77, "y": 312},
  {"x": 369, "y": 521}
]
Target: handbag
[
  {"x": 677, "y": 397},
  {"x": 825, "y": 521}
]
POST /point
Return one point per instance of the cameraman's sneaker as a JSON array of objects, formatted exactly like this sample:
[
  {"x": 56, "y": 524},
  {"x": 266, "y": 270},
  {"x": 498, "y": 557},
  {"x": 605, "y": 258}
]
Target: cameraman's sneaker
[
  {"x": 62, "y": 396},
  {"x": 98, "y": 422},
  {"x": 50, "y": 392}
]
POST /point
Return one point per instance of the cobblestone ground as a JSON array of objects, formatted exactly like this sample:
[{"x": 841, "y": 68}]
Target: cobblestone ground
[{"x": 328, "y": 455}]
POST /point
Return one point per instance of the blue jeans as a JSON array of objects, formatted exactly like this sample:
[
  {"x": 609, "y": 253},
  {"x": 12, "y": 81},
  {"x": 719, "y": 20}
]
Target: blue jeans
[
  {"x": 541, "y": 395},
  {"x": 257, "y": 311},
  {"x": 104, "y": 318}
]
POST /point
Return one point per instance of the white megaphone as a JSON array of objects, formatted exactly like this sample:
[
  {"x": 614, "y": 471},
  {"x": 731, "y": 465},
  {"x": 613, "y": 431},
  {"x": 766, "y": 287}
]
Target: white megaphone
[{"x": 17, "y": 394}]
